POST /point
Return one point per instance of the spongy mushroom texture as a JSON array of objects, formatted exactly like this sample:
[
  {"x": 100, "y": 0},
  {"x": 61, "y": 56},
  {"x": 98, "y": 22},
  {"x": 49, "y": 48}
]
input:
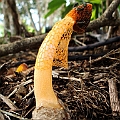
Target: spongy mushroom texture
[
  {"x": 61, "y": 55},
  {"x": 55, "y": 46},
  {"x": 54, "y": 49}
]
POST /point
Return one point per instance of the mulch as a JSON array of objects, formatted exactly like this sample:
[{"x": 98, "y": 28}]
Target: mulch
[{"x": 83, "y": 88}]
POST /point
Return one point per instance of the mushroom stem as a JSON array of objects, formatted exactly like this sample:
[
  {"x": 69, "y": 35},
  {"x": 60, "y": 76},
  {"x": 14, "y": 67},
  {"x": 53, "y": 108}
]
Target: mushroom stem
[
  {"x": 43, "y": 89},
  {"x": 44, "y": 93}
]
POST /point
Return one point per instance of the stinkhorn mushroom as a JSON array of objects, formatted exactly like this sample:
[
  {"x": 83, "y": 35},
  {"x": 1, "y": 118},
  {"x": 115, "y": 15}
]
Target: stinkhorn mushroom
[{"x": 54, "y": 51}]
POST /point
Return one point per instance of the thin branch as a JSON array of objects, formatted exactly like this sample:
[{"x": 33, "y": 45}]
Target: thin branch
[
  {"x": 24, "y": 44},
  {"x": 34, "y": 41},
  {"x": 94, "y": 45},
  {"x": 100, "y": 22},
  {"x": 106, "y": 18},
  {"x": 30, "y": 15},
  {"x": 112, "y": 7},
  {"x": 13, "y": 115},
  {"x": 8, "y": 102}
]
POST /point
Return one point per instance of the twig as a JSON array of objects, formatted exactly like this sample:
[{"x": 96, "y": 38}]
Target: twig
[
  {"x": 8, "y": 102},
  {"x": 28, "y": 94},
  {"x": 12, "y": 93},
  {"x": 77, "y": 41},
  {"x": 13, "y": 115},
  {"x": 29, "y": 111},
  {"x": 106, "y": 55},
  {"x": 18, "y": 86},
  {"x": 56, "y": 75},
  {"x": 105, "y": 68}
]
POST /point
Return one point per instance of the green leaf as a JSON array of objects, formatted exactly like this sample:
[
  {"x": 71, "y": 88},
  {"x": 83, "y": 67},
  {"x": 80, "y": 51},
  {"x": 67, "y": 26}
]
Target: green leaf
[
  {"x": 54, "y": 5},
  {"x": 80, "y": 1},
  {"x": 51, "y": 11},
  {"x": 93, "y": 14},
  {"x": 94, "y": 1},
  {"x": 67, "y": 9}
]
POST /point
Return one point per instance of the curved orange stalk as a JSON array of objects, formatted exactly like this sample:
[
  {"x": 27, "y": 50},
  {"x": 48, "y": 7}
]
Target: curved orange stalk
[{"x": 54, "y": 51}]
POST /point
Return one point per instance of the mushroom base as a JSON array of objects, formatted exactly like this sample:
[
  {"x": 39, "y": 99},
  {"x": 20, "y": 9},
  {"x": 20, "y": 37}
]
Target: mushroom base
[{"x": 44, "y": 113}]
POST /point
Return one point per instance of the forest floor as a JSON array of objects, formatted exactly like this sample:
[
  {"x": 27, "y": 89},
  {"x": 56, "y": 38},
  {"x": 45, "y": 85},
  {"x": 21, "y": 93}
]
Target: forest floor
[{"x": 84, "y": 88}]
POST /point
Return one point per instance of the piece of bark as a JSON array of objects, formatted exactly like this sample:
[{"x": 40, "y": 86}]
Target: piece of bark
[{"x": 115, "y": 105}]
